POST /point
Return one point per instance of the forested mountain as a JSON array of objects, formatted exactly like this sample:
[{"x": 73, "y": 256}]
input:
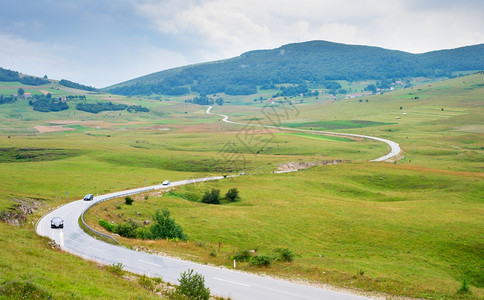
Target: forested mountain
[{"x": 314, "y": 62}]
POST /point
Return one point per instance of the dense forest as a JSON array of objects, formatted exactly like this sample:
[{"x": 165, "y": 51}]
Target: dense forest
[
  {"x": 7, "y": 99},
  {"x": 78, "y": 86},
  {"x": 100, "y": 106},
  {"x": 8, "y": 75},
  {"x": 315, "y": 62},
  {"x": 48, "y": 103}
]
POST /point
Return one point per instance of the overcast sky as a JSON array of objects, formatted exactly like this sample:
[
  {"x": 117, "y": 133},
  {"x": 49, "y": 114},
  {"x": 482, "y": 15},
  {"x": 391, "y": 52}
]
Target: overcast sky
[{"x": 104, "y": 42}]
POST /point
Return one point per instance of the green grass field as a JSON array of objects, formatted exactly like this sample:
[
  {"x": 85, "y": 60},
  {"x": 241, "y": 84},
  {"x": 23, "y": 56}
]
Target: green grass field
[{"x": 410, "y": 228}]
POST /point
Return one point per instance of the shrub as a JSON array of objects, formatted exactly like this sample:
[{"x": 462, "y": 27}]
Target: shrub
[
  {"x": 143, "y": 233},
  {"x": 464, "y": 288},
  {"x": 232, "y": 195},
  {"x": 128, "y": 200},
  {"x": 147, "y": 283},
  {"x": 22, "y": 290},
  {"x": 116, "y": 269},
  {"x": 261, "y": 260},
  {"x": 243, "y": 255},
  {"x": 192, "y": 286},
  {"x": 211, "y": 197},
  {"x": 127, "y": 230},
  {"x": 284, "y": 254},
  {"x": 165, "y": 227},
  {"x": 111, "y": 227}
]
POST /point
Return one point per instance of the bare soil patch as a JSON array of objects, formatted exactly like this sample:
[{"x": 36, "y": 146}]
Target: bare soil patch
[{"x": 55, "y": 128}]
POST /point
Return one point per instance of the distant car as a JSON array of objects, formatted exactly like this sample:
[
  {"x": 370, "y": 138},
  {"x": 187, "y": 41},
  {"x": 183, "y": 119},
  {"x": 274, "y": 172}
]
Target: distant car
[
  {"x": 56, "y": 222},
  {"x": 166, "y": 182},
  {"x": 88, "y": 197}
]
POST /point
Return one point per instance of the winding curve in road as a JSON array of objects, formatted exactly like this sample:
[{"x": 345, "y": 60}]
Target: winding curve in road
[{"x": 222, "y": 282}]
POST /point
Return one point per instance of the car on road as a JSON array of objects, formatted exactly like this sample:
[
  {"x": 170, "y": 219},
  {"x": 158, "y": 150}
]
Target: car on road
[
  {"x": 166, "y": 182},
  {"x": 56, "y": 222},
  {"x": 88, "y": 197}
]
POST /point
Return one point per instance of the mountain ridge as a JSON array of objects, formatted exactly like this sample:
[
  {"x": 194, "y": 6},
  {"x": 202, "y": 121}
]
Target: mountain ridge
[{"x": 310, "y": 62}]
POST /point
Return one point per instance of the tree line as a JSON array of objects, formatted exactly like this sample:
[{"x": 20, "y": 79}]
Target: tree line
[{"x": 9, "y": 75}]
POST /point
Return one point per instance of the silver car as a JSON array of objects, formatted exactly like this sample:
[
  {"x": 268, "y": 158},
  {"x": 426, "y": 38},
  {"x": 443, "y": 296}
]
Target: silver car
[{"x": 56, "y": 222}]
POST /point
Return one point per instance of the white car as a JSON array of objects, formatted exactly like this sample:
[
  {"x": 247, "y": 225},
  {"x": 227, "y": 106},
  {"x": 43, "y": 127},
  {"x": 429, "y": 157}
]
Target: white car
[{"x": 166, "y": 182}]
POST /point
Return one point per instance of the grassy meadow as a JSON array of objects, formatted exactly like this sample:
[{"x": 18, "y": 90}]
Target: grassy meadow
[{"x": 412, "y": 228}]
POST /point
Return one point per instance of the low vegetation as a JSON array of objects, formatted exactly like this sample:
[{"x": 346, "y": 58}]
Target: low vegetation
[
  {"x": 191, "y": 286},
  {"x": 164, "y": 227},
  {"x": 412, "y": 227}
]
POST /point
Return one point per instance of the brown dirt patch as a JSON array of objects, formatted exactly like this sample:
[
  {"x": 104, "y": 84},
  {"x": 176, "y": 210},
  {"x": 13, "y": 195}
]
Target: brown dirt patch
[{"x": 55, "y": 128}]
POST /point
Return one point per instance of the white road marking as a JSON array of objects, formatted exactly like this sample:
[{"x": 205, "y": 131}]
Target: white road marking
[
  {"x": 149, "y": 263},
  {"x": 231, "y": 282}
]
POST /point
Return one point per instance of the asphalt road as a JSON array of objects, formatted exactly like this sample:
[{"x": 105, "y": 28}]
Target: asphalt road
[
  {"x": 394, "y": 147},
  {"x": 222, "y": 282}
]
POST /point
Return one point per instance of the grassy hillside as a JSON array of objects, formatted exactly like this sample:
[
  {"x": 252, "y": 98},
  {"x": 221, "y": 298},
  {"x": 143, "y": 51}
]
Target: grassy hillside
[{"x": 410, "y": 228}]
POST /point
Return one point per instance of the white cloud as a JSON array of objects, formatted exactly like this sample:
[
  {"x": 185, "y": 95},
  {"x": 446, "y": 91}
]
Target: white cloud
[{"x": 230, "y": 27}]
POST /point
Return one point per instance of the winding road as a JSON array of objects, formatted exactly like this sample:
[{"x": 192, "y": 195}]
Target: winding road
[
  {"x": 221, "y": 281},
  {"x": 394, "y": 147}
]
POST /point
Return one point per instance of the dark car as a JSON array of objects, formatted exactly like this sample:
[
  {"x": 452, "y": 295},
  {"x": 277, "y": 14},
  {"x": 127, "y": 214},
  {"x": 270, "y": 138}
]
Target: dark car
[
  {"x": 56, "y": 222},
  {"x": 88, "y": 197}
]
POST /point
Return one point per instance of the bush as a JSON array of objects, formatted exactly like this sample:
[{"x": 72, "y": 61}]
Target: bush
[
  {"x": 147, "y": 283},
  {"x": 165, "y": 227},
  {"x": 464, "y": 288},
  {"x": 192, "y": 286},
  {"x": 22, "y": 290},
  {"x": 116, "y": 269},
  {"x": 111, "y": 227},
  {"x": 128, "y": 200},
  {"x": 127, "y": 230},
  {"x": 232, "y": 195},
  {"x": 261, "y": 260},
  {"x": 243, "y": 255},
  {"x": 143, "y": 233},
  {"x": 284, "y": 254},
  {"x": 211, "y": 197}
]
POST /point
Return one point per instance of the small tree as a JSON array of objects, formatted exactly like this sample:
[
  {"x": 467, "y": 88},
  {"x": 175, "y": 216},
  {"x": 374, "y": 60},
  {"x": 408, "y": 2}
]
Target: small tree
[
  {"x": 232, "y": 195},
  {"x": 20, "y": 92},
  {"x": 211, "y": 197},
  {"x": 128, "y": 200},
  {"x": 165, "y": 227},
  {"x": 192, "y": 286}
]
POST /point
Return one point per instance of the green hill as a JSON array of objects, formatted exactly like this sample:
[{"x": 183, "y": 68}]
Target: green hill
[{"x": 314, "y": 62}]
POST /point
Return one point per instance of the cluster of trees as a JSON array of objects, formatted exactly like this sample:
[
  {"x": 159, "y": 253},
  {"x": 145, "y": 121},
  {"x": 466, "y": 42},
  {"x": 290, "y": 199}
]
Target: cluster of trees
[
  {"x": 163, "y": 227},
  {"x": 213, "y": 196},
  {"x": 72, "y": 97},
  {"x": 78, "y": 86},
  {"x": 9, "y": 75},
  {"x": 137, "y": 108},
  {"x": 48, "y": 103},
  {"x": 315, "y": 62},
  {"x": 7, "y": 99},
  {"x": 204, "y": 100},
  {"x": 100, "y": 106}
]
